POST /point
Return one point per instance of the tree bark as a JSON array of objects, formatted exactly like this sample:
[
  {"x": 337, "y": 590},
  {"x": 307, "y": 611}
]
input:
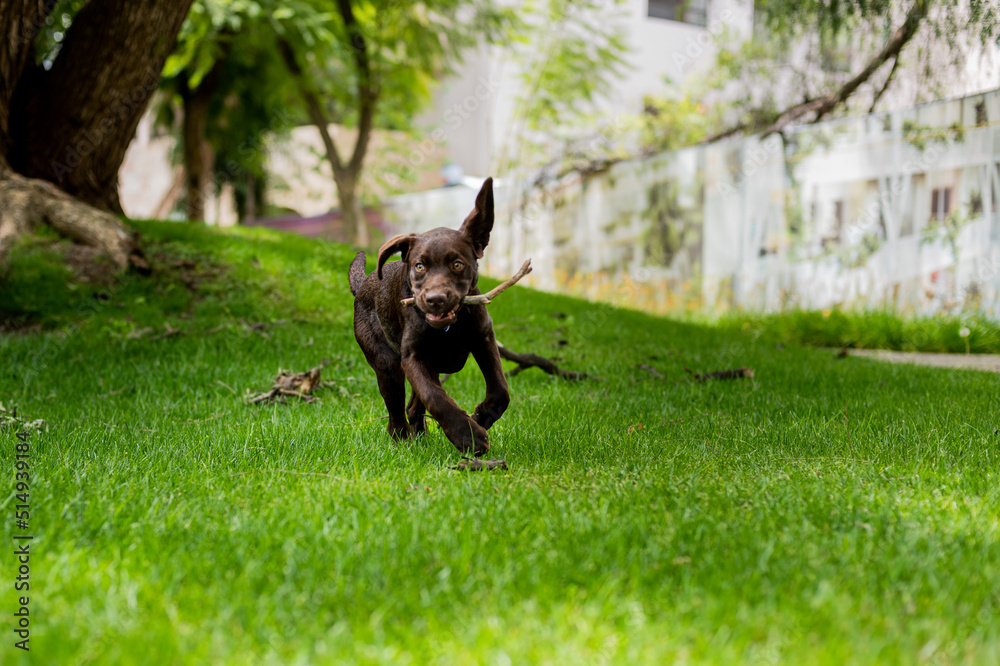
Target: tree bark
[
  {"x": 199, "y": 157},
  {"x": 353, "y": 215},
  {"x": 71, "y": 124},
  {"x": 20, "y": 21}
]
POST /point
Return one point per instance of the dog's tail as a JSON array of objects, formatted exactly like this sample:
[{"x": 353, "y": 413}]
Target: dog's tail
[{"x": 356, "y": 275}]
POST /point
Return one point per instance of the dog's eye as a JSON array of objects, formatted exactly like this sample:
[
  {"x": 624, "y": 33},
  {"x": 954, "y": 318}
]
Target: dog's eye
[
  {"x": 420, "y": 267},
  {"x": 458, "y": 265}
]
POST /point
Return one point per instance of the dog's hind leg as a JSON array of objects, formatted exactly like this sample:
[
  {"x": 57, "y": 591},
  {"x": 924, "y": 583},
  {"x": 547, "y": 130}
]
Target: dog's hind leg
[{"x": 392, "y": 386}]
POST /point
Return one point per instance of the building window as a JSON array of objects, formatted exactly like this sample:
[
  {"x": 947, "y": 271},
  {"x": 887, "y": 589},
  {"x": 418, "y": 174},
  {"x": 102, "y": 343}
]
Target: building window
[
  {"x": 940, "y": 203},
  {"x": 694, "y": 12}
]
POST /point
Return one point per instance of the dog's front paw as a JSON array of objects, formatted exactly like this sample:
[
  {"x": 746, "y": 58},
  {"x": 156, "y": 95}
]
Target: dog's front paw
[
  {"x": 482, "y": 440},
  {"x": 468, "y": 436}
]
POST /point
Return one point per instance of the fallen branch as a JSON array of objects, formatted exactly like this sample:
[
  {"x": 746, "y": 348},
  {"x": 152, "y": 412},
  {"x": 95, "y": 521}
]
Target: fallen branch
[
  {"x": 292, "y": 385},
  {"x": 738, "y": 373},
  {"x": 485, "y": 299},
  {"x": 475, "y": 465},
  {"x": 9, "y": 418},
  {"x": 525, "y": 361}
]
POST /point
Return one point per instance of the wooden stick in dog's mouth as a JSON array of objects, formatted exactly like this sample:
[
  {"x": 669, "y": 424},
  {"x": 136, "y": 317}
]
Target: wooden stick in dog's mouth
[{"x": 485, "y": 299}]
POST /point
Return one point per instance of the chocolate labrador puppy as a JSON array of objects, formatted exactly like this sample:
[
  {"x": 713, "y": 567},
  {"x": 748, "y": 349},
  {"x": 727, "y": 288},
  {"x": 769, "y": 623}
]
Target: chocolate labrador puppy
[{"x": 436, "y": 336}]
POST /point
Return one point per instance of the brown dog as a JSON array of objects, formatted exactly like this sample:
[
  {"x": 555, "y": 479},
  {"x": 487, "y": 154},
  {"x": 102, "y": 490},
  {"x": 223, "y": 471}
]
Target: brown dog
[{"x": 418, "y": 344}]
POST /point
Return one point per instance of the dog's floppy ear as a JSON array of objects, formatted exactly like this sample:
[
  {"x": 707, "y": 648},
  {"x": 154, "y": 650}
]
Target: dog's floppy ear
[
  {"x": 395, "y": 244},
  {"x": 479, "y": 224}
]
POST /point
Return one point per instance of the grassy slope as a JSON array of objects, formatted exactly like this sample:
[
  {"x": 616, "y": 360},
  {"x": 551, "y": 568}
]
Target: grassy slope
[{"x": 643, "y": 520}]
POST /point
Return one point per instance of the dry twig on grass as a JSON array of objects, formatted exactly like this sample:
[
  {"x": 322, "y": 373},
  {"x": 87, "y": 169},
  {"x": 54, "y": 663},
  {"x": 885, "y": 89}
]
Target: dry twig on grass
[
  {"x": 738, "y": 373},
  {"x": 476, "y": 465},
  {"x": 292, "y": 385}
]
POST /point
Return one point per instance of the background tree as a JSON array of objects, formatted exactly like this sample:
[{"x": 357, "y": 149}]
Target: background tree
[
  {"x": 810, "y": 60},
  {"x": 372, "y": 63},
  {"x": 233, "y": 93},
  {"x": 65, "y": 126},
  {"x": 567, "y": 59}
]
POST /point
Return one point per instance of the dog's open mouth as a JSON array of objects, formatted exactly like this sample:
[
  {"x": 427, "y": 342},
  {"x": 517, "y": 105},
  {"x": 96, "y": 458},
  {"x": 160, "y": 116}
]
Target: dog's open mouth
[{"x": 442, "y": 320}]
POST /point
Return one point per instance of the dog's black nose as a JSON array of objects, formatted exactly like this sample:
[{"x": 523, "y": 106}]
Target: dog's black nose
[{"x": 436, "y": 298}]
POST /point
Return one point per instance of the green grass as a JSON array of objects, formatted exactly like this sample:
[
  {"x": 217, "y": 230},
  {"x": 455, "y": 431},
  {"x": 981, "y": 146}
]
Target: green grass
[
  {"x": 826, "y": 511},
  {"x": 871, "y": 329}
]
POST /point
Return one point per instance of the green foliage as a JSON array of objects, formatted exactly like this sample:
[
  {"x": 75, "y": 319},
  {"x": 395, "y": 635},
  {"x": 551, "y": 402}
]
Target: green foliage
[
  {"x": 252, "y": 99},
  {"x": 672, "y": 228},
  {"x": 790, "y": 17},
  {"x": 671, "y": 123},
  {"x": 410, "y": 47},
  {"x": 919, "y": 136},
  {"x": 947, "y": 230},
  {"x": 568, "y": 55},
  {"x": 824, "y": 512},
  {"x": 50, "y": 35}
]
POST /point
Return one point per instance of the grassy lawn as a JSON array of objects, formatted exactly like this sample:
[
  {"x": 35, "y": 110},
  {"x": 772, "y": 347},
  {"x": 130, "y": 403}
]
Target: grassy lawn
[
  {"x": 871, "y": 329},
  {"x": 826, "y": 511}
]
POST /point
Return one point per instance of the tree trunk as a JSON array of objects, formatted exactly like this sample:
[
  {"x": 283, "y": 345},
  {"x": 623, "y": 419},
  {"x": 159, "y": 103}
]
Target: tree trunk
[
  {"x": 353, "y": 216},
  {"x": 20, "y": 21},
  {"x": 346, "y": 173},
  {"x": 198, "y": 154},
  {"x": 250, "y": 202},
  {"x": 71, "y": 124}
]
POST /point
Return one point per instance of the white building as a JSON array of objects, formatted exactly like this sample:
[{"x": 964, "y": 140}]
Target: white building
[{"x": 472, "y": 110}]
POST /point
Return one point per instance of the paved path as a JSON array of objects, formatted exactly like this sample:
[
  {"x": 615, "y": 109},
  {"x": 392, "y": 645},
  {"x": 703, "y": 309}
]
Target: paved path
[{"x": 986, "y": 362}]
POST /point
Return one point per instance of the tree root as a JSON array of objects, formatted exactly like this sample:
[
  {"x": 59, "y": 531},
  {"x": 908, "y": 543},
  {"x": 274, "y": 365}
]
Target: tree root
[{"x": 27, "y": 203}]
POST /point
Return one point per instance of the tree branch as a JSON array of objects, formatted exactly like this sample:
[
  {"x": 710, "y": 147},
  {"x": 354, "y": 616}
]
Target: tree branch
[
  {"x": 313, "y": 105},
  {"x": 366, "y": 91},
  {"x": 821, "y": 106},
  {"x": 824, "y": 105},
  {"x": 885, "y": 85}
]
